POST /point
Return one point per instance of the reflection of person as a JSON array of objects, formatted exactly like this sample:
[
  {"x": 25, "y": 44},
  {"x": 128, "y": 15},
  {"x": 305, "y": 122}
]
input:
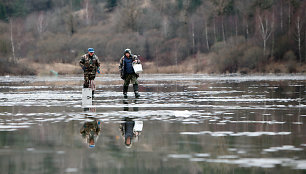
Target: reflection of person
[
  {"x": 127, "y": 72},
  {"x": 90, "y": 65},
  {"x": 130, "y": 131},
  {"x": 90, "y": 132}
]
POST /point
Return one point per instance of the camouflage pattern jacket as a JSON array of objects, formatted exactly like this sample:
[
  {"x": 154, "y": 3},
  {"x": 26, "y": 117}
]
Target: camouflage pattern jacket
[
  {"x": 90, "y": 128},
  {"x": 121, "y": 65},
  {"x": 89, "y": 64}
]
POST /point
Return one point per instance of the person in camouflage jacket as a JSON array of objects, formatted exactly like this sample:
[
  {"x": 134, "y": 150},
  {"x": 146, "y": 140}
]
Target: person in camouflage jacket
[{"x": 90, "y": 65}]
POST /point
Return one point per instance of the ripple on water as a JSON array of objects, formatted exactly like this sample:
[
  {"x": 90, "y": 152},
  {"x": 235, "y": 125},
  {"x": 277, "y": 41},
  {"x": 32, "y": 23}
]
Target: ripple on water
[
  {"x": 250, "y": 134},
  {"x": 283, "y": 148}
]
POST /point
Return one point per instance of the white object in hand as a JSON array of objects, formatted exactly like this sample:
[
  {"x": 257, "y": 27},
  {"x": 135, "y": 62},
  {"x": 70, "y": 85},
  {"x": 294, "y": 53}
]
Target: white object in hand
[
  {"x": 137, "y": 68},
  {"x": 138, "y": 126}
]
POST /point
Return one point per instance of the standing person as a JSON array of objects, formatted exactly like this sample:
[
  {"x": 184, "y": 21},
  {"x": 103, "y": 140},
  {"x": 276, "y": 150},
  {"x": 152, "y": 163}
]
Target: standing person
[
  {"x": 90, "y": 65},
  {"x": 127, "y": 72}
]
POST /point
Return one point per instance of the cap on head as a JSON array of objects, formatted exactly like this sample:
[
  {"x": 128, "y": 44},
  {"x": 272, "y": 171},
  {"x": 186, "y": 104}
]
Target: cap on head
[
  {"x": 127, "y": 51},
  {"x": 91, "y": 50}
]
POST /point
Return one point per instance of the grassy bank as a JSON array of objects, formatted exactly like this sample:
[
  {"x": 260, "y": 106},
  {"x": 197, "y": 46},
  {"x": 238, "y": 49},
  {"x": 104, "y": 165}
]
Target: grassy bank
[
  {"x": 15, "y": 68},
  {"x": 193, "y": 65}
]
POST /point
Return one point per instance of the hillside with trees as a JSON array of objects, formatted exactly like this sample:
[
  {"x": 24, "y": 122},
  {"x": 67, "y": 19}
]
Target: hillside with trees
[{"x": 210, "y": 36}]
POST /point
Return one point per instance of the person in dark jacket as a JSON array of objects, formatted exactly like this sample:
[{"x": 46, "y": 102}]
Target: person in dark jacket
[{"x": 127, "y": 72}]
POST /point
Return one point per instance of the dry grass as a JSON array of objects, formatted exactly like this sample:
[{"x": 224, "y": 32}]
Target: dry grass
[
  {"x": 45, "y": 69},
  {"x": 200, "y": 64},
  {"x": 150, "y": 68}
]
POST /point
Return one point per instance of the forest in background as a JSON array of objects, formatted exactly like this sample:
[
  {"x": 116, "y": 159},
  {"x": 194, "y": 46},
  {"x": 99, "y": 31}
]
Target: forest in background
[{"x": 211, "y": 36}]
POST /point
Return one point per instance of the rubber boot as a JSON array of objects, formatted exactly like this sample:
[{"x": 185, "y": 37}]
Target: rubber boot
[
  {"x": 125, "y": 90},
  {"x": 135, "y": 86}
]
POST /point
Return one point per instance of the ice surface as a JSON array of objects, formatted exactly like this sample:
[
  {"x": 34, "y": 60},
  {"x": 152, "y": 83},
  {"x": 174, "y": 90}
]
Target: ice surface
[
  {"x": 283, "y": 148},
  {"x": 229, "y": 119},
  {"x": 250, "y": 134}
]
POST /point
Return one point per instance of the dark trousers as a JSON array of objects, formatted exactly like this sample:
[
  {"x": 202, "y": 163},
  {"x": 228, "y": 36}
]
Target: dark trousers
[{"x": 87, "y": 77}]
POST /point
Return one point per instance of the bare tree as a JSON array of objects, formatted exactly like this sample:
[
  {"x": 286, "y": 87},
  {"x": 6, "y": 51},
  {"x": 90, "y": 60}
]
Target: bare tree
[
  {"x": 165, "y": 26},
  {"x": 281, "y": 15},
  {"x": 273, "y": 33},
  {"x": 236, "y": 25},
  {"x": 220, "y": 6},
  {"x": 247, "y": 29},
  {"x": 244, "y": 13},
  {"x": 206, "y": 36},
  {"x": 265, "y": 31},
  {"x": 41, "y": 24},
  {"x": 193, "y": 37},
  {"x": 223, "y": 29},
  {"x": 12, "y": 39},
  {"x": 87, "y": 11},
  {"x": 215, "y": 35},
  {"x": 298, "y": 28},
  {"x": 130, "y": 13},
  {"x": 289, "y": 17}
]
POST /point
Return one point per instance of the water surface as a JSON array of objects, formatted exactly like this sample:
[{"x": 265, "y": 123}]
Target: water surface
[{"x": 186, "y": 124}]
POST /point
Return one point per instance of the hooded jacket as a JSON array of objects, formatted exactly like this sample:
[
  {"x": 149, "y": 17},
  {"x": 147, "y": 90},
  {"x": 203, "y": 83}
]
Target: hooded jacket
[{"x": 122, "y": 65}]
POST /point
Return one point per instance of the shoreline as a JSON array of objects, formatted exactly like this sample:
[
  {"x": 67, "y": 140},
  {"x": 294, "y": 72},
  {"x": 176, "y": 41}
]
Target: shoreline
[{"x": 49, "y": 69}]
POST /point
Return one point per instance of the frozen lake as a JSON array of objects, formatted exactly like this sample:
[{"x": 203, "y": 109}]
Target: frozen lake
[{"x": 181, "y": 123}]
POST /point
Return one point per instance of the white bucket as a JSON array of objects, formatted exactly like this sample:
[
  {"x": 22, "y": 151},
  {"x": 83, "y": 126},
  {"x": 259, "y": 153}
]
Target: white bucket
[
  {"x": 137, "y": 68},
  {"x": 138, "y": 126},
  {"x": 86, "y": 97}
]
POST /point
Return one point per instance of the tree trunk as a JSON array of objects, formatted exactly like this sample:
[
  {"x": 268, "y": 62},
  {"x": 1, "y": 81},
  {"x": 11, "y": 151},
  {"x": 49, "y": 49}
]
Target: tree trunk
[
  {"x": 236, "y": 25},
  {"x": 281, "y": 15},
  {"x": 265, "y": 32},
  {"x": 215, "y": 37},
  {"x": 12, "y": 41},
  {"x": 193, "y": 39},
  {"x": 86, "y": 12},
  {"x": 289, "y": 17},
  {"x": 298, "y": 39},
  {"x": 273, "y": 45},
  {"x": 156, "y": 57},
  {"x": 273, "y": 34},
  {"x": 264, "y": 47},
  {"x": 41, "y": 24},
  {"x": 223, "y": 30},
  {"x": 175, "y": 53},
  {"x": 247, "y": 30},
  {"x": 206, "y": 36}
]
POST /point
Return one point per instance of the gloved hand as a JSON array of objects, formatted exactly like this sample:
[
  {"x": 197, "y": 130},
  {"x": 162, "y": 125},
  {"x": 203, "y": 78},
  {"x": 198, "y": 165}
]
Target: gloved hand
[
  {"x": 98, "y": 70},
  {"x": 84, "y": 68}
]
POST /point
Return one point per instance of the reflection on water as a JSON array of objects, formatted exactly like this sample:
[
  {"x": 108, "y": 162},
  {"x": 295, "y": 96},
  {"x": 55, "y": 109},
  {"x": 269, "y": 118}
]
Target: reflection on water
[
  {"x": 90, "y": 130},
  {"x": 130, "y": 129},
  {"x": 181, "y": 124}
]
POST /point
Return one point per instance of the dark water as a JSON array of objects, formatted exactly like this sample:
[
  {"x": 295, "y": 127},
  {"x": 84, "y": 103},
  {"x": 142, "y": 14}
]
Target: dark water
[{"x": 191, "y": 124}]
